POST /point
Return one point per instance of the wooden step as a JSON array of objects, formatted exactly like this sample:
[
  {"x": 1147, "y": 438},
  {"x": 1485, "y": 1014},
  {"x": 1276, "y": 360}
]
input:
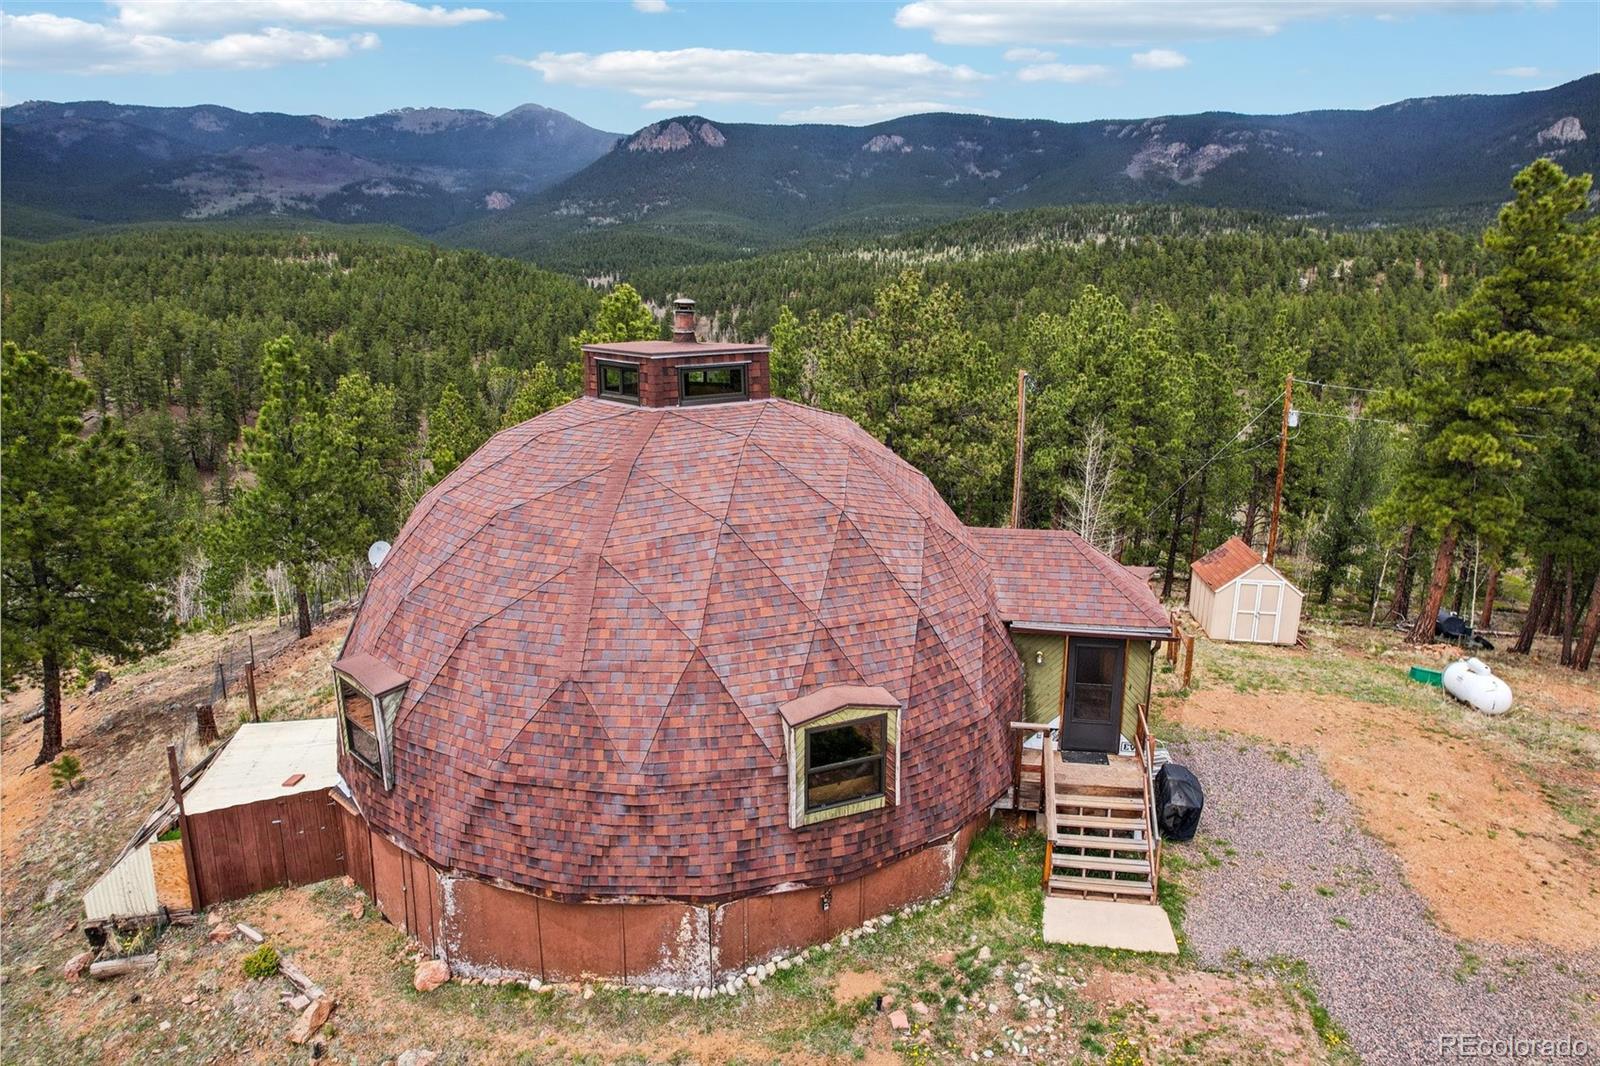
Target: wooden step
[
  {"x": 1109, "y": 803},
  {"x": 1103, "y": 885},
  {"x": 1083, "y": 840},
  {"x": 1094, "y": 862},
  {"x": 1090, "y": 821}
]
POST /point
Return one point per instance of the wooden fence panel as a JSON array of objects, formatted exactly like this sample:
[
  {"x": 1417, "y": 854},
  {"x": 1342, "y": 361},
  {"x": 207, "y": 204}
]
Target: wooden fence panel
[{"x": 239, "y": 851}]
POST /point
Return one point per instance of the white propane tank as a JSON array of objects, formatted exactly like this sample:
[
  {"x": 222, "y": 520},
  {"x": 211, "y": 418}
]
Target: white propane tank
[{"x": 1472, "y": 682}]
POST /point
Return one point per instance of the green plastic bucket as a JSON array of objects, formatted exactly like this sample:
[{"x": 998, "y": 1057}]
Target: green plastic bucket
[{"x": 1428, "y": 677}]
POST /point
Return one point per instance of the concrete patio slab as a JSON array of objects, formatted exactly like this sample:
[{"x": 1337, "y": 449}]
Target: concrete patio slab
[{"x": 1103, "y": 924}]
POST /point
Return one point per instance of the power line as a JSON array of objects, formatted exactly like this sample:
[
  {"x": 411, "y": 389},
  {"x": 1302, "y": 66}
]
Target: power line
[{"x": 1231, "y": 442}]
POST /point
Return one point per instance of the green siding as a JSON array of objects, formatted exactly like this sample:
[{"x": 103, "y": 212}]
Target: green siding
[
  {"x": 1136, "y": 684},
  {"x": 797, "y": 780},
  {"x": 1042, "y": 681}
]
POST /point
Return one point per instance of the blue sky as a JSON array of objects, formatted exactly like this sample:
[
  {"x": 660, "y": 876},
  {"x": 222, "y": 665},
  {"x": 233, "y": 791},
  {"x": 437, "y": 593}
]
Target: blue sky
[{"x": 619, "y": 66}]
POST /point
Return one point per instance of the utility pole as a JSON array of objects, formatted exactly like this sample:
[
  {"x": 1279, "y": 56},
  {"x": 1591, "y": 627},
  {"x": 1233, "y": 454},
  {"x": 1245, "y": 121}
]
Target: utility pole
[
  {"x": 1283, "y": 455},
  {"x": 1016, "y": 473}
]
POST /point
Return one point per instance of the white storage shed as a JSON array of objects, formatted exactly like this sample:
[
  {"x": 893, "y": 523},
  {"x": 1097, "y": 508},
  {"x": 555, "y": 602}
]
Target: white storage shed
[{"x": 1236, "y": 596}]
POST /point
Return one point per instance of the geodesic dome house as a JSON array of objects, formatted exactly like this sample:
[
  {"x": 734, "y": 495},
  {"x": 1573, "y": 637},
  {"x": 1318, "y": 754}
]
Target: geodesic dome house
[{"x": 672, "y": 678}]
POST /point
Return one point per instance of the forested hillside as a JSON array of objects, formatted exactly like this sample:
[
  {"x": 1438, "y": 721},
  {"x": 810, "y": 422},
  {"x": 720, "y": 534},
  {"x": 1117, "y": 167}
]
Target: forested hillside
[
  {"x": 168, "y": 326},
  {"x": 423, "y": 168}
]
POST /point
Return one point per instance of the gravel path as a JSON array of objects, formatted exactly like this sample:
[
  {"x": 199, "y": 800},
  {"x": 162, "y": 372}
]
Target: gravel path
[{"x": 1297, "y": 878}]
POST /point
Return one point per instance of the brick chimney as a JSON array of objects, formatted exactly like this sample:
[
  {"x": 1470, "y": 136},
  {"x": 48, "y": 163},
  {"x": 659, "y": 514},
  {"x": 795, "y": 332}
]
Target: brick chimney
[{"x": 683, "y": 321}]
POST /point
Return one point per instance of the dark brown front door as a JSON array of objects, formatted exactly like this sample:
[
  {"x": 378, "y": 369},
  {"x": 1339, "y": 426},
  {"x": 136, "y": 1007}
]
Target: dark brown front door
[{"x": 1092, "y": 718}]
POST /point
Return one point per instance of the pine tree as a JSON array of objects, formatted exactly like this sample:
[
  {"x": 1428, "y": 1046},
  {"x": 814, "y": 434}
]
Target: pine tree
[
  {"x": 539, "y": 390},
  {"x": 302, "y": 509},
  {"x": 1496, "y": 374},
  {"x": 87, "y": 547},
  {"x": 623, "y": 316},
  {"x": 454, "y": 432}
]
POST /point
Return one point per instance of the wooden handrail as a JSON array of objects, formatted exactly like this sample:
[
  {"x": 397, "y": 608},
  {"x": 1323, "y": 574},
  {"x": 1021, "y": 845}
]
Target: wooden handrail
[
  {"x": 1047, "y": 796},
  {"x": 1146, "y": 746}
]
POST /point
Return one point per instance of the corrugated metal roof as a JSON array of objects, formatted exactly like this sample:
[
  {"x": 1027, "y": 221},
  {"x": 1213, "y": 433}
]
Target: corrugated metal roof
[{"x": 260, "y": 757}]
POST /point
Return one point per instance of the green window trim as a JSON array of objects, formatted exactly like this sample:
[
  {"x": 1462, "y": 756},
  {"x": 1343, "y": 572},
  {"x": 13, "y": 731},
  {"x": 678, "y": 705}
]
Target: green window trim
[{"x": 797, "y": 741}]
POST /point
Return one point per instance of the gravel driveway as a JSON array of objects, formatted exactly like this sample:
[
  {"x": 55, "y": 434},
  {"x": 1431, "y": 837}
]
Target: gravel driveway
[{"x": 1281, "y": 869}]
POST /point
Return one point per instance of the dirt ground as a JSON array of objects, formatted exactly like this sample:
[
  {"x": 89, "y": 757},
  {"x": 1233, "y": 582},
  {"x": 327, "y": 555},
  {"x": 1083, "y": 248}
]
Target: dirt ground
[{"x": 1471, "y": 805}]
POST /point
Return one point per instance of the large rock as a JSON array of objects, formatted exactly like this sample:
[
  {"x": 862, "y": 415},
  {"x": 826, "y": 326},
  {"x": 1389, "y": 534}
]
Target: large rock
[
  {"x": 430, "y": 975},
  {"x": 417, "y": 1056},
  {"x": 314, "y": 1017},
  {"x": 75, "y": 967}
]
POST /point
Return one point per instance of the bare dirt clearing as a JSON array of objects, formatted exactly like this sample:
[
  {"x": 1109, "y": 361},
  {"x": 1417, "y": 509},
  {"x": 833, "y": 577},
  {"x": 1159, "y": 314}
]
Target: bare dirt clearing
[{"x": 1491, "y": 818}]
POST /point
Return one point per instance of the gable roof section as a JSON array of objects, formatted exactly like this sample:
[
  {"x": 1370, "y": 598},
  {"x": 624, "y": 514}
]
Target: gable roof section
[
  {"x": 1225, "y": 562},
  {"x": 1053, "y": 578}
]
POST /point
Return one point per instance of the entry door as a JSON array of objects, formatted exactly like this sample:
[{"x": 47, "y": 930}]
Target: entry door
[{"x": 1092, "y": 718}]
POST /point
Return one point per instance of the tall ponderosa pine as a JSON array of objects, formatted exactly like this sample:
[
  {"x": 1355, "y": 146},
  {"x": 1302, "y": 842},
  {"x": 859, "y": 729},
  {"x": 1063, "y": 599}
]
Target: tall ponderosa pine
[
  {"x": 311, "y": 502},
  {"x": 1497, "y": 373},
  {"x": 915, "y": 378},
  {"x": 455, "y": 431},
  {"x": 87, "y": 548},
  {"x": 538, "y": 390}
]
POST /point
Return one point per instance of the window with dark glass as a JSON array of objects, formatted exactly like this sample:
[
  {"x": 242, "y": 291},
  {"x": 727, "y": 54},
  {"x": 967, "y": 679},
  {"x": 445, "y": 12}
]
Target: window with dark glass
[
  {"x": 619, "y": 381},
  {"x": 360, "y": 726},
  {"x": 844, "y": 763},
  {"x": 710, "y": 384}
]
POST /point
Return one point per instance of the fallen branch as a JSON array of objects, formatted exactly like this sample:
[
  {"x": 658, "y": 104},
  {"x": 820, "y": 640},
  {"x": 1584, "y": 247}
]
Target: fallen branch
[{"x": 250, "y": 934}]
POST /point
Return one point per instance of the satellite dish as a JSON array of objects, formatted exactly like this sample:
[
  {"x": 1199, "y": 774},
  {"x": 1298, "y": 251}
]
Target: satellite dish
[{"x": 377, "y": 553}]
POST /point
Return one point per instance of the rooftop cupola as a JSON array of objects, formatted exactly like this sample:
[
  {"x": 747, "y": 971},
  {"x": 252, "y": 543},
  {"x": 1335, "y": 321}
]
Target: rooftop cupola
[{"x": 682, "y": 372}]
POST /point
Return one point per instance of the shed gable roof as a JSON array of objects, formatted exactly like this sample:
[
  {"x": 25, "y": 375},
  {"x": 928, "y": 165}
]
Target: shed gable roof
[{"x": 1225, "y": 562}]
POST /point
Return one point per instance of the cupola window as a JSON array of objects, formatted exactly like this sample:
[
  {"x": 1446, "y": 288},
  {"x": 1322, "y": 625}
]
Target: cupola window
[
  {"x": 710, "y": 384},
  {"x": 619, "y": 381}
]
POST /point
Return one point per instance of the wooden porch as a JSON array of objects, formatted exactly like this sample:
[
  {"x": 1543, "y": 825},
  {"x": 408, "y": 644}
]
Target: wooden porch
[{"x": 1101, "y": 837}]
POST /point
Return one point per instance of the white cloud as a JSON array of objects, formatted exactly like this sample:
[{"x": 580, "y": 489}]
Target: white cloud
[
  {"x": 74, "y": 46},
  {"x": 1519, "y": 72},
  {"x": 1071, "y": 73},
  {"x": 189, "y": 17},
  {"x": 866, "y": 114},
  {"x": 670, "y": 103},
  {"x": 1028, "y": 55},
  {"x": 801, "y": 82},
  {"x": 1137, "y": 22},
  {"x": 1160, "y": 59},
  {"x": 651, "y": 7}
]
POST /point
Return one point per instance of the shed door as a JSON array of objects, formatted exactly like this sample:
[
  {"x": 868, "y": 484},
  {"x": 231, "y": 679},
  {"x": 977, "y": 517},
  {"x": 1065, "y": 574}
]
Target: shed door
[
  {"x": 1269, "y": 605},
  {"x": 1256, "y": 608}
]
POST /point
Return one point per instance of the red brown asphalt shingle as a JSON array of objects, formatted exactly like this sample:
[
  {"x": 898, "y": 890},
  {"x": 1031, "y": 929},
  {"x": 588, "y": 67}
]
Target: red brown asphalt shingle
[
  {"x": 1053, "y": 577},
  {"x": 1225, "y": 562},
  {"x": 601, "y": 613}
]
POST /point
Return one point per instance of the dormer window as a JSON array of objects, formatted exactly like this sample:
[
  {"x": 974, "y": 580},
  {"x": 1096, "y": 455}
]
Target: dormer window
[
  {"x": 369, "y": 693},
  {"x": 711, "y": 384},
  {"x": 618, "y": 381},
  {"x": 843, "y": 743}
]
